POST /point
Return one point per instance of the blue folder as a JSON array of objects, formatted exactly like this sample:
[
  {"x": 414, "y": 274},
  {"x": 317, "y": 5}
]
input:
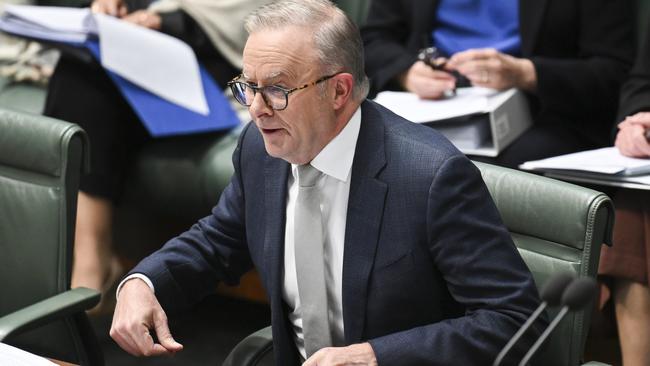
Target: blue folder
[{"x": 164, "y": 118}]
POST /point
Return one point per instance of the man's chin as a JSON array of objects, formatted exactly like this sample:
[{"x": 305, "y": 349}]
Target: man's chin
[{"x": 275, "y": 150}]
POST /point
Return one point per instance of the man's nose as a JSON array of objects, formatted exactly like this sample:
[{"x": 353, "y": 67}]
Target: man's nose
[{"x": 259, "y": 107}]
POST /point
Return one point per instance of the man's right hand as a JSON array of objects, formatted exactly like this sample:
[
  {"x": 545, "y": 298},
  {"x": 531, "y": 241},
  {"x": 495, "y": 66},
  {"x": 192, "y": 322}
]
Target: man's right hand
[
  {"x": 116, "y": 8},
  {"x": 426, "y": 82},
  {"x": 136, "y": 314}
]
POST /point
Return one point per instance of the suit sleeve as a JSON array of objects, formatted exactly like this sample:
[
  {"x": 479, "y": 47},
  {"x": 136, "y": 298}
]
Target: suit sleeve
[
  {"x": 188, "y": 267},
  {"x": 586, "y": 87},
  {"x": 385, "y": 37},
  {"x": 635, "y": 93},
  {"x": 483, "y": 271}
]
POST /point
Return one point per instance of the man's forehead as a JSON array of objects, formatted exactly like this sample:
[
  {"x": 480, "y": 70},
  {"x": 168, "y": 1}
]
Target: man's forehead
[
  {"x": 267, "y": 56},
  {"x": 269, "y": 75}
]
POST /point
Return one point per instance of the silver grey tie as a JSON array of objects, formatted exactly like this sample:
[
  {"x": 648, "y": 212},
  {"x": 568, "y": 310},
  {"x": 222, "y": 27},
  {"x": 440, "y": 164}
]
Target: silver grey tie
[{"x": 310, "y": 266}]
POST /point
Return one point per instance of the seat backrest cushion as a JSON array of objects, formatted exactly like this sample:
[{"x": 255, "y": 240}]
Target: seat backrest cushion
[
  {"x": 40, "y": 160},
  {"x": 557, "y": 227}
]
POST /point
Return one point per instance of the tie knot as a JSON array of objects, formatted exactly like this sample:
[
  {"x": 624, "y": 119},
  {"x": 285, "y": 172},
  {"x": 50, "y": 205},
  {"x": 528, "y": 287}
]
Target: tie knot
[{"x": 307, "y": 175}]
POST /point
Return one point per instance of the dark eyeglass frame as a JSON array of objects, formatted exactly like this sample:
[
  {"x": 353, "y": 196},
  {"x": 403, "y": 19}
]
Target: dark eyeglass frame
[{"x": 233, "y": 84}]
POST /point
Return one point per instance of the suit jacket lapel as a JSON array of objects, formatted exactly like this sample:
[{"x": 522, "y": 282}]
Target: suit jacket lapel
[
  {"x": 365, "y": 211},
  {"x": 531, "y": 13}
]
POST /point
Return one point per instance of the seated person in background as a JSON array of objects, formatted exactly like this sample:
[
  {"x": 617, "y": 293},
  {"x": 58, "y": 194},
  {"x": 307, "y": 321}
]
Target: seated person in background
[
  {"x": 81, "y": 92},
  {"x": 348, "y": 212},
  {"x": 625, "y": 266},
  {"x": 569, "y": 56}
]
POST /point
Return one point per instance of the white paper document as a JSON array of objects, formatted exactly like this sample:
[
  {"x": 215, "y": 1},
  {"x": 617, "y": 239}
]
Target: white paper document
[
  {"x": 60, "y": 24},
  {"x": 16, "y": 357},
  {"x": 154, "y": 61},
  {"x": 607, "y": 161},
  {"x": 61, "y": 19},
  {"x": 467, "y": 101}
]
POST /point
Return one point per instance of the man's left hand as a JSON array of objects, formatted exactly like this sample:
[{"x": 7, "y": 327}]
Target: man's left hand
[{"x": 356, "y": 354}]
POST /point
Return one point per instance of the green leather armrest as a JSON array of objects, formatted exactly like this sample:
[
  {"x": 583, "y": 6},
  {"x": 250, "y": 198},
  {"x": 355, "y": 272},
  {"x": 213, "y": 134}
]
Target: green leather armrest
[
  {"x": 53, "y": 308},
  {"x": 251, "y": 349}
]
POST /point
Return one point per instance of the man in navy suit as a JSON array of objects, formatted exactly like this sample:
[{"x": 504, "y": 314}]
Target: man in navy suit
[{"x": 419, "y": 269}]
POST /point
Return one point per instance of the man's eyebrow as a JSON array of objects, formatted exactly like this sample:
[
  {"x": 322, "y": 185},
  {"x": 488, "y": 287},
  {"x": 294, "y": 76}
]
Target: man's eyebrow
[{"x": 267, "y": 78}]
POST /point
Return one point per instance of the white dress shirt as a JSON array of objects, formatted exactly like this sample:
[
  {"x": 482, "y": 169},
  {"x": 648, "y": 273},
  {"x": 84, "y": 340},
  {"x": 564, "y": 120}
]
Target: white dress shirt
[{"x": 335, "y": 162}]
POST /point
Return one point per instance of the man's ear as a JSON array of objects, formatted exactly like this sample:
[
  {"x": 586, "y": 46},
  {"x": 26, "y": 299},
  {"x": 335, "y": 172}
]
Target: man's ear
[{"x": 343, "y": 84}]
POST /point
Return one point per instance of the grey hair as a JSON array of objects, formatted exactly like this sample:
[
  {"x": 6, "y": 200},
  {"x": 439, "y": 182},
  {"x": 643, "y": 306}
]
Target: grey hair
[{"x": 336, "y": 37}]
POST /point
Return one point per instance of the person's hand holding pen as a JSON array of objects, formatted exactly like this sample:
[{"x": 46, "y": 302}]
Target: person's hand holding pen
[
  {"x": 490, "y": 68},
  {"x": 427, "y": 81},
  {"x": 633, "y": 136}
]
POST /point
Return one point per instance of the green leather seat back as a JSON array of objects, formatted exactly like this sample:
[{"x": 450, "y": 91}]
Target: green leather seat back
[
  {"x": 183, "y": 176},
  {"x": 40, "y": 160},
  {"x": 557, "y": 227},
  {"x": 357, "y": 10},
  {"x": 22, "y": 97}
]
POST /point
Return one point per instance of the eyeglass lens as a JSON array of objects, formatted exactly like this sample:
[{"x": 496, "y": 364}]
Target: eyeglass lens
[{"x": 274, "y": 97}]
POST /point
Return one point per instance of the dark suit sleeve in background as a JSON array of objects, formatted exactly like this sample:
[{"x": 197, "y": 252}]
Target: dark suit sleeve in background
[
  {"x": 635, "y": 94},
  {"x": 583, "y": 84},
  {"x": 392, "y": 36}
]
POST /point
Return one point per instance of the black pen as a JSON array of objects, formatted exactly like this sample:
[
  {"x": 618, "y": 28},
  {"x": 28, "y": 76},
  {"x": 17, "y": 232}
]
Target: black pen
[{"x": 432, "y": 58}]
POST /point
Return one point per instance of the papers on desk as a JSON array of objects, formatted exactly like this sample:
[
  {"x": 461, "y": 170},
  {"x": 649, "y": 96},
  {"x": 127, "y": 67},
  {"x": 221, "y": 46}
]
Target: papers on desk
[
  {"x": 156, "y": 62},
  {"x": 606, "y": 161},
  {"x": 408, "y": 105},
  {"x": 16, "y": 357},
  {"x": 604, "y": 166}
]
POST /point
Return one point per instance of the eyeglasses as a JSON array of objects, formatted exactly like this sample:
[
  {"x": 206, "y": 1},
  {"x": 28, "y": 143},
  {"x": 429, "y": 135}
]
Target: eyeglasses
[{"x": 276, "y": 97}]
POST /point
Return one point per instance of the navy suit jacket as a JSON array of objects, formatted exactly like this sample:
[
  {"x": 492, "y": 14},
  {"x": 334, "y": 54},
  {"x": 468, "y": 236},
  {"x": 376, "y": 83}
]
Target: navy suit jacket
[{"x": 430, "y": 274}]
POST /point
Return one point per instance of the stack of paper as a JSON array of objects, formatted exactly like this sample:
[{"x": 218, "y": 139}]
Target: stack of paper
[
  {"x": 603, "y": 167},
  {"x": 606, "y": 161},
  {"x": 467, "y": 101},
  {"x": 50, "y": 23},
  {"x": 16, "y": 357}
]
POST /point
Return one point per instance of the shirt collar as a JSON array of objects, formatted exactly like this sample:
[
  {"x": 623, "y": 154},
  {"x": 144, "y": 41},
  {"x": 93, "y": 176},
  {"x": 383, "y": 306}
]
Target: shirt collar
[{"x": 337, "y": 156}]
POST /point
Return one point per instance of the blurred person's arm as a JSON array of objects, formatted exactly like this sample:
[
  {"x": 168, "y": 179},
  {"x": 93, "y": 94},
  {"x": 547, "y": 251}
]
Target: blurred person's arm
[{"x": 387, "y": 37}]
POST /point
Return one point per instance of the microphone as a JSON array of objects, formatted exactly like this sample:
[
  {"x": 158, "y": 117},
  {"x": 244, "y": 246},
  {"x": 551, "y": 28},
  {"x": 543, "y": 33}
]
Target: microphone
[
  {"x": 575, "y": 297},
  {"x": 551, "y": 295}
]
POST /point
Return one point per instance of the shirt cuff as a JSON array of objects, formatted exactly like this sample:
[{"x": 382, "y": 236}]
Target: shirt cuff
[{"x": 130, "y": 277}]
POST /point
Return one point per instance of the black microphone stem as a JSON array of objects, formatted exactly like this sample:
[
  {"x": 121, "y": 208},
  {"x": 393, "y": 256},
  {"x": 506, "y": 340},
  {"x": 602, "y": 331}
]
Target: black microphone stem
[
  {"x": 519, "y": 333},
  {"x": 542, "y": 338}
]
